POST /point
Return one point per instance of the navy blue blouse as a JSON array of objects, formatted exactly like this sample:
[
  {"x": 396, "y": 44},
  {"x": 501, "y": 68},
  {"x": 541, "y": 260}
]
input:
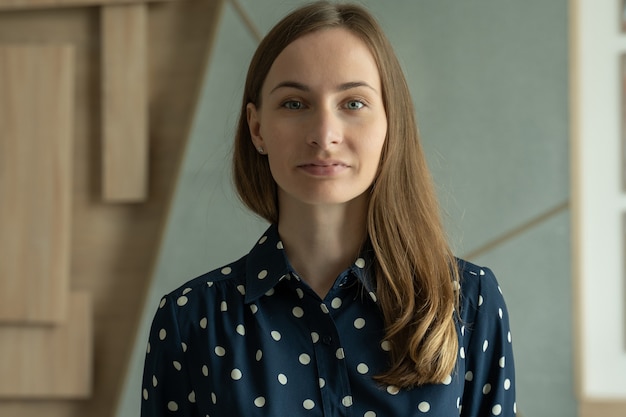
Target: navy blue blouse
[{"x": 253, "y": 339}]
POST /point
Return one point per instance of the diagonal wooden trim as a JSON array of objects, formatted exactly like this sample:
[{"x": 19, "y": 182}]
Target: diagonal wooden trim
[
  {"x": 513, "y": 233},
  {"x": 247, "y": 20},
  {"x": 602, "y": 408}
]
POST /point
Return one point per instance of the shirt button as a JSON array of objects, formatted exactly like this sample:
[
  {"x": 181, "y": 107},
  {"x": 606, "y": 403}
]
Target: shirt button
[{"x": 327, "y": 340}]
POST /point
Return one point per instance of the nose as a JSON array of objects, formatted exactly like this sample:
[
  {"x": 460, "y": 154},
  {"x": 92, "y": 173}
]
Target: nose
[{"x": 325, "y": 130}]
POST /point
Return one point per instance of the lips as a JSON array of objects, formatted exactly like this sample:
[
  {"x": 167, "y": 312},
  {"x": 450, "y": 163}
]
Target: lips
[{"x": 324, "y": 168}]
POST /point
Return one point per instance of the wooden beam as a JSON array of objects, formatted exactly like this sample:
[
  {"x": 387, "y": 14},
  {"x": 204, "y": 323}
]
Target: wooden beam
[
  {"x": 124, "y": 103},
  {"x": 51, "y": 4},
  {"x": 36, "y": 130},
  {"x": 49, "y": 361}
]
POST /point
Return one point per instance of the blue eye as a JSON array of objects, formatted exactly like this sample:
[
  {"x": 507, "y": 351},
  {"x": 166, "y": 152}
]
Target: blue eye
[
  {"x": 293, "y": 105},
  {"x": 355, "y": 105}
]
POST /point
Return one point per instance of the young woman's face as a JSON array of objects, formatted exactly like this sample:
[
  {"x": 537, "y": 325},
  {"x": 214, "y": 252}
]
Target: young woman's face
[{"x": 322, "y": 122}]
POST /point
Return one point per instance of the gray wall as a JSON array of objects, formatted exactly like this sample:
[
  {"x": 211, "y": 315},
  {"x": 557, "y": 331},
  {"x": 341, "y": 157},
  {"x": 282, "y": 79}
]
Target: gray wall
[{"x": 489, "y": 81}]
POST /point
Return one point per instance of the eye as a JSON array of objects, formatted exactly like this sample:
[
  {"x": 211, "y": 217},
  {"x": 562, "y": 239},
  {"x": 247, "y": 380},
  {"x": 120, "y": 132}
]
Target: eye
[
  {"x": 355, "y": 105},
  {"x": 293, "y": 105}
]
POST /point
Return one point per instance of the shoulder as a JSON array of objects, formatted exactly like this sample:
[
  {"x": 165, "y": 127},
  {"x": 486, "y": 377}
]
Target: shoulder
[
  {"x": 479, "y": 287},
  {"x": 227, "y": 276}
]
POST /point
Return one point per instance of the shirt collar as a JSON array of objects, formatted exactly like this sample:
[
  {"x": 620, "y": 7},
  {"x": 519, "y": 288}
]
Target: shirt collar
[{"x": 267, "y": 265}]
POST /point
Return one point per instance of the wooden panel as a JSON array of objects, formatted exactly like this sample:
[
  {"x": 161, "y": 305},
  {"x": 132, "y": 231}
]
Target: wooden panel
[
  {"x": 47, "y": 4},
  {"x": 114, "y": 245},
  {"x": 602, "y": 408},
  {"x": 125, "y": 104},
  {"x": 36, "y": 108},
  {"x": 49, "y": 361}
]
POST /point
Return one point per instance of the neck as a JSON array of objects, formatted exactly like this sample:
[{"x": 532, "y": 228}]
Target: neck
[{"x": 322, "y": 241}]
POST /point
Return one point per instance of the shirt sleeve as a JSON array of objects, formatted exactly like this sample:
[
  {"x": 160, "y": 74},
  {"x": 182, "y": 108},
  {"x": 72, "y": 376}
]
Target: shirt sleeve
[
  {"x": 166, "y": 387},
  {"x": 490, "y": 374}
]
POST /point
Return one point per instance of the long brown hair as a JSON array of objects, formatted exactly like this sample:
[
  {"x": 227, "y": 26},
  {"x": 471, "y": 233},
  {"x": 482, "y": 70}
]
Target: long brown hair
[{"x": 415, "y": 271}]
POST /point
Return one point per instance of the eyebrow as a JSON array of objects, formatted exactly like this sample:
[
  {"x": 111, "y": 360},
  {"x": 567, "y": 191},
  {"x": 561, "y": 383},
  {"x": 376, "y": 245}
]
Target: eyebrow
[{"x": 305, "y": 88}]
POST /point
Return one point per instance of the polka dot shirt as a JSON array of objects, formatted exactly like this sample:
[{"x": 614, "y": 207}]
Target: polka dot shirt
[{"x": 253, "y": 339}]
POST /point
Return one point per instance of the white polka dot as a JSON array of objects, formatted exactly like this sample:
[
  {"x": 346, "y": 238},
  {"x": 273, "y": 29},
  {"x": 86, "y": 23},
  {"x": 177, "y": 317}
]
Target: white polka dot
[
  {"x": 340, "y": 353},
  {"x": 282, "y": 378},
  {"x": 324, "y": 308},
  {"x": 270, "y": 292},
  {"x": 262, "y": 274},
  {"x": 209, "y": 284},
  {"x": 154, "y": 381},
  {"x": 259, "y": 401},
  {"x": 486, "y": 389},
  {"x": 241, "y": 330},
  {"x": 469, "y": 376},
  {"x": 226, "y": 270},
  {"x": 279, "y": 245},
  {"x": 482, "y": 272},
  {"x": 203, "y": 322},
  {"x": 362, "y": 368},
  {"x": 359, "y": 323},
  {"x": 275, "y": 335},
  {"x": 308, "y": 404},
  {"x": 515, "y": 407},
  {"x": 205, "y": 370},
  {"x": 369, "y": 414},
  {"x": 336, "y": 303},
  {"x": 500, "y": 313},
  {"x": 162, "y": 334},
  {"x": 321, "y": 382},
  {"x": 262, "y": 240},
  {"x": 297, "y": 312},
  {"x": 360, "y": 262},
  {"x": 241, "y": 289},
  {"x": 192, "y": 397},
  {"x": 507, "y": 384},
  {"x": 300, "y": 293},
  {"x": 499, "y": 289},
  {"x": 458, "y": 402},
  {"x": 182, "y": 300},
  {"x": 162, "y": 303},
  {"x": 448, "y": 380},
  {"x": 259, "y": 355},
  {"x": 374, "y": 299},
  {"x": 254, "y": 308},
  {"x": 392, "y": 389},
  {"x": 213, "y": 398},
  {"x": 186, "y": 291},
  {"x": 184, "y": 346},
  {"x": 485, "y": 345},
  {"x": 304, "y": 359},
  {"x": 177, "y": 365},
  {"x": 508, "y": 337},
  {"x": 315, "y": 337},
  {"x": 456, "y": 285},
  {"x": 462, "y": 352},
  {"x": 223, "y": 306},
  {"x": 462, "y": 330},
  {"x": 220, "y": 351},
  {"x": 424, "y": 407},
  {"x": 386, "y": 345},
  {"x": 480, "y": 300},
  {"x": 496, "y": 410},
  {"x": 145, "y": 394},
  {"x": 347, "y": 401},
  {"x": 148, "y": 348},
  {"x": 172, "y": 406},
  {"x": 502, "y": 362},
  {"x": 236, "y": 374}
]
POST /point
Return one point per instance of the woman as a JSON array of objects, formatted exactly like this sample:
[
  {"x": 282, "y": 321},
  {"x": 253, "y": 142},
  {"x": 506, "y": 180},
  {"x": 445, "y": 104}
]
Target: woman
[{"x": 351, "y": 303}]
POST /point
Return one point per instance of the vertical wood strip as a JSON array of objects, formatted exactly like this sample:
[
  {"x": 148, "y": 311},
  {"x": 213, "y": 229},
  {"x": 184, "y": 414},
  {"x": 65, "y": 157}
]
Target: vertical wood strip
[
  {"x": 49, "y": 361},
  {"x": 124, "y": 103},
  {"x": 36, "y": 129}
]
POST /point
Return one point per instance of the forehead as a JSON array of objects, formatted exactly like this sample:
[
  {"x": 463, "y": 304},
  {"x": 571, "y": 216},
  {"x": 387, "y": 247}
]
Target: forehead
[{"x": 326, "y": 56}]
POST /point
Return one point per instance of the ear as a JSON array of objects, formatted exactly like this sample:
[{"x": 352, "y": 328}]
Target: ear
[{"x": 254, "y": 125}]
